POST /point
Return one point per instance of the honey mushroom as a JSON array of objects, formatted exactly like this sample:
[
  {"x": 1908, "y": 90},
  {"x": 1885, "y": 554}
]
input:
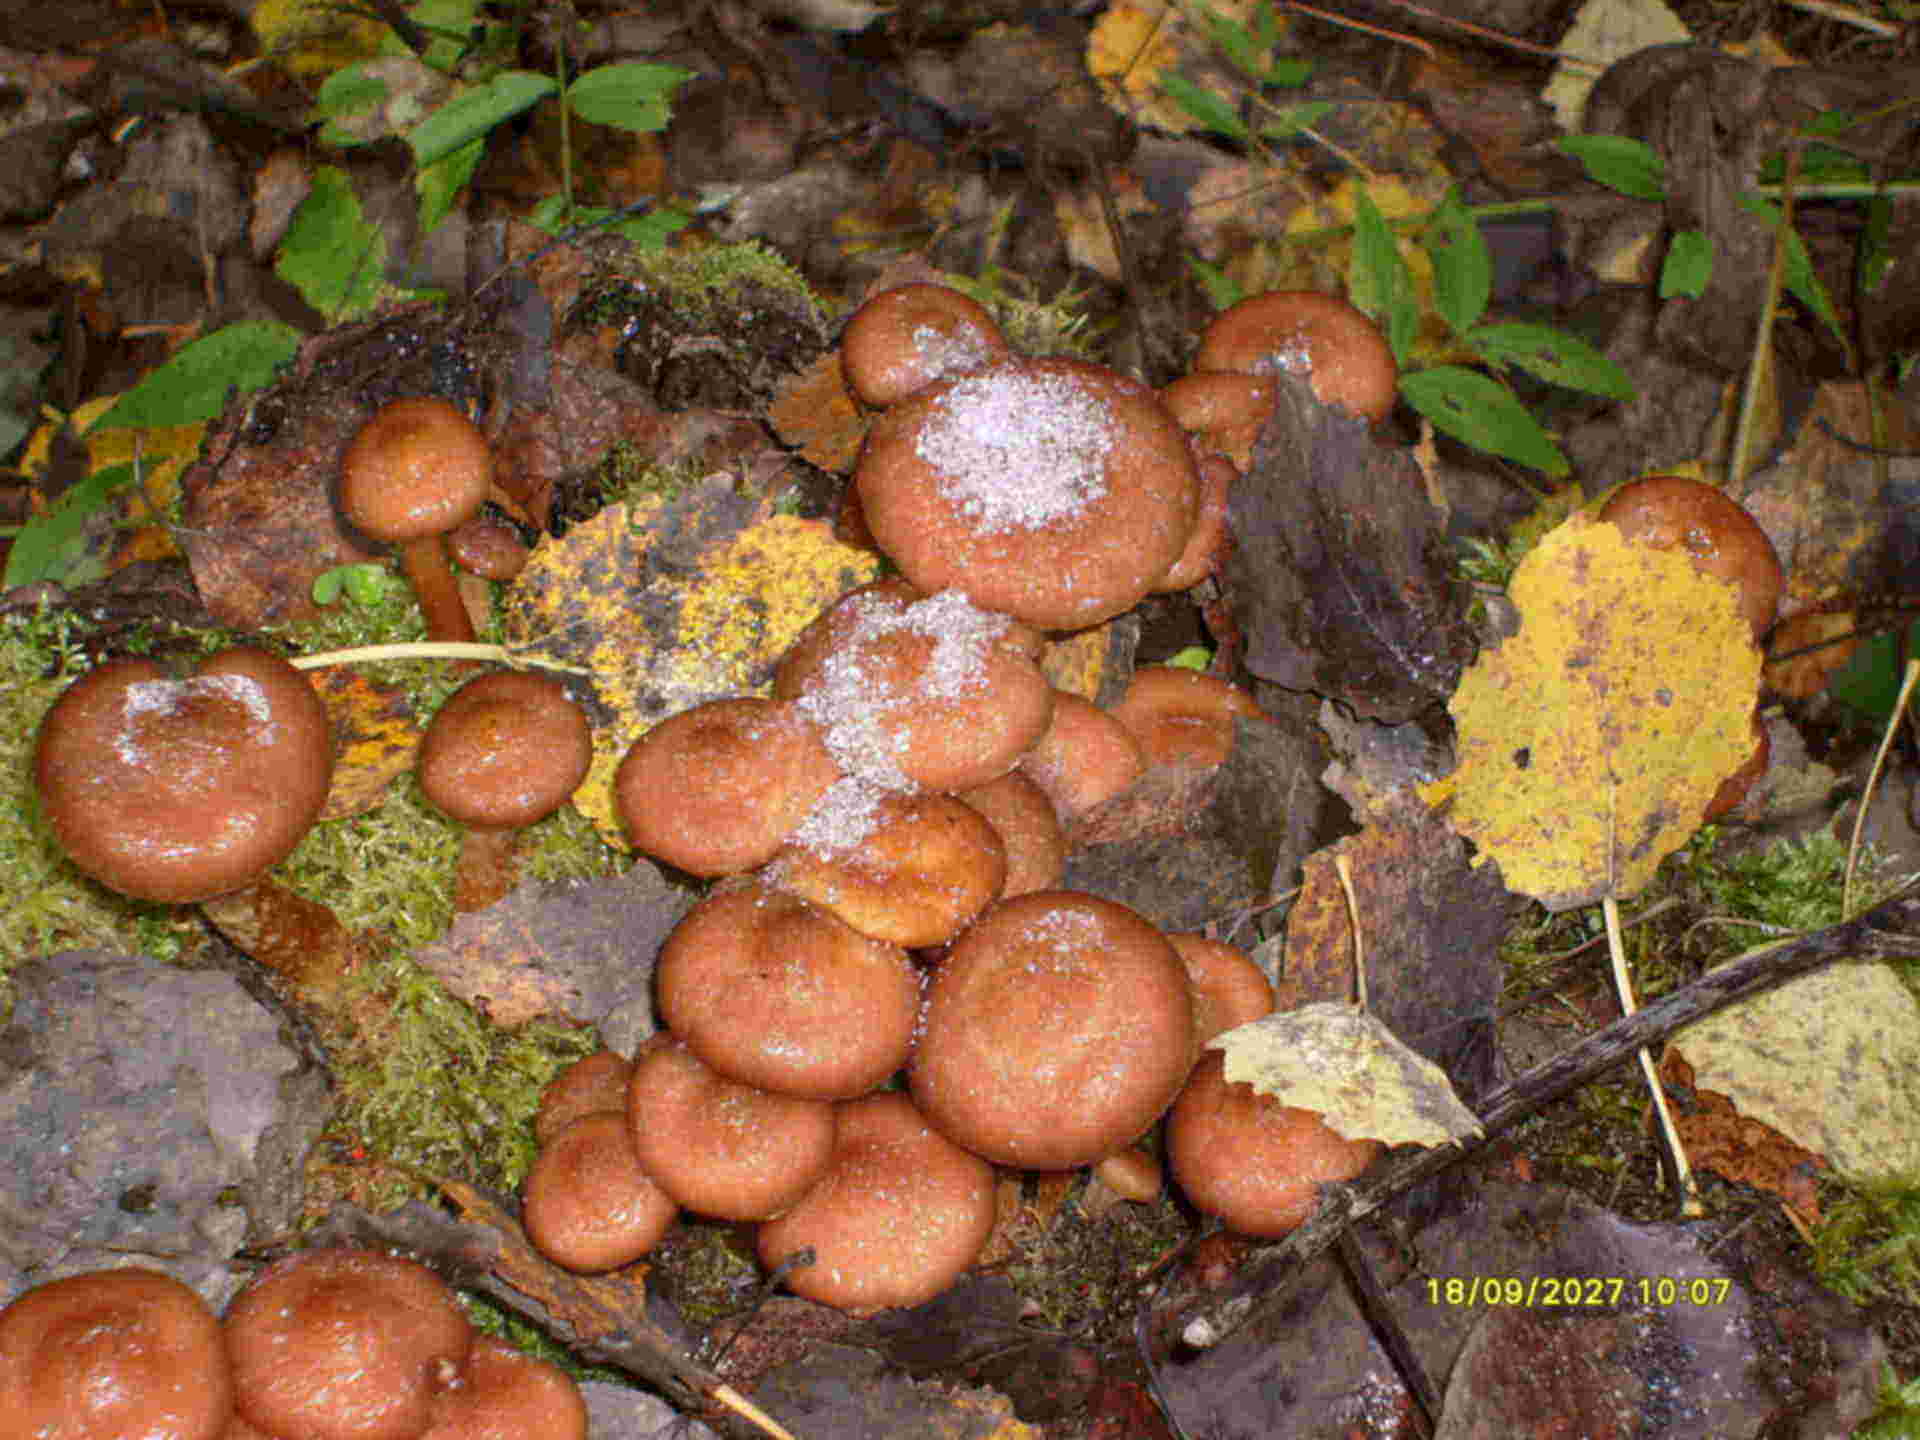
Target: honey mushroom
[
  {"x": 587, "y": 1203},
  {"x": 1672, "y": 512},
  {"x": 1052, "y": 490},
  {"x": 1024, "y": 819},
  {"x": 1085, "y": 758},
  {"x": 903, "y": 339},
  {"x": 1322, "y": 338},
  {"x": 1182, "y": 716}
]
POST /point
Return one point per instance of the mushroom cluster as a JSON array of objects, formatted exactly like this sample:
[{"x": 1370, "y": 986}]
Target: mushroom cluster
[
  {"x": 326, "y": 1344},
  {"x": 885, "y": 994}
]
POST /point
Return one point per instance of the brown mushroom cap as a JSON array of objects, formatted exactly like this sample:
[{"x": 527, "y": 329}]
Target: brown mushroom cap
[
  {"x": 918, "y": 690},
  {"x": 1342, "y": 352},
  {"x": 1024, "y": 818},
  {"x": 179, "y": 790},
  {"x": 1182, "y": 716},
  {"x": 506, "y": 750},
  {"x": 920, "y": 868},
  {"x": 1228, "y": 988},
  {"x": 1245, "y": 1157},
  {"x": 772, "y": 991},
  {"x": 414, "y": 471},
  {"x": 718, "y": 789},
  {"x": 417, "y": 468},
  {"x": 587, "y": 1204},
  {"x": 1056, "y": 1030},
  {"x": 1671, "y": 512},
  {"x": 113, "y": 1353},
  {"x": 1205, "y": 545},
  {"x": 904, "y": 339},
  {"x": 491, "y": 549},
  {"x": 900, "y": 1213},
  {"x": 1085, "y": 758},
  {"x": 718, "y": 1147},
  {"x": 1051, "y": 490},
  {"x": 505, "y": 1394},
  {"x": 1223, "y": 411},
  {"x": 342, "y": 1344},
  {"x": 595, "y": 1082}
]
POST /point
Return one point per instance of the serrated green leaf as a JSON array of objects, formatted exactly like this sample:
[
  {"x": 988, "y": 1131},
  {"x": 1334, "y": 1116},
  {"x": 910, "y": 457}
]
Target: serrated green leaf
[
  {"x": 1800, "y": 277},
  {"x": 439, "y": 184},
  {"x": 1688, "y": 266},
  {"x": 1632, "y": 167},
  {"x": 1377, "y": 278},
  {"x": 1462, "y": 265},
  {"x": 1554, "y": 356},
  {"x": 472, "y": 114},
  {"x": 629, "y": 97},
  {"x": 1292, "y": 119},
  {"x": 193, "y": 385},
  {"x": 48, "y": 545},
  {"x": 332, "y": 254},
  {"x": 1208, "y": 109},
  {"x": 1483, "y": 413}
]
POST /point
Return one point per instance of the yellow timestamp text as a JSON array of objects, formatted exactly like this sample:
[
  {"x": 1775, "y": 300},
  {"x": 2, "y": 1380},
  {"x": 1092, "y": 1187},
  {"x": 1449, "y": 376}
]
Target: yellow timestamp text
[{"x": 1564, "y": 1291}]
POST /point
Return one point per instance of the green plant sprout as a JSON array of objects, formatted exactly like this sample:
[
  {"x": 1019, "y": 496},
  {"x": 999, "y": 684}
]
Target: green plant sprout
[{"x": 366, "y": 583}]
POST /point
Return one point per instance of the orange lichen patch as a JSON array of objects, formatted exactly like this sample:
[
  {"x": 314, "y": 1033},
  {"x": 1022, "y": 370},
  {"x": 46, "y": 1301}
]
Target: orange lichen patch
[{"x": 674, "y": 601}]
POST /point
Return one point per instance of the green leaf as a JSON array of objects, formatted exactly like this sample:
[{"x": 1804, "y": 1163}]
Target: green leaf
[
  {"x": 1212, "y": 112},
  {"x": 1377, "y": 278},
  {"x": 348, "y": 91},
  {"x": 1462, "y": 266},
  {"x": 332, "y": 254},
  {"x": 1688, "y": 266},
  {"x": 193, "y": 385},
  {"x": 364, "y": 583},
  {"x": 439, "y": 184},
  {"x": 1235, "y": 41},
  {"x": 1222, "y": 290},
  {"x": 472, "y": 114},
  {"x": 1800, "y": 277},
  {"x": 1554, "y": 356},
  {"x": 1483, "y": 413},
  {"x": 1292, "y": 119},
  {"x": 48, "y": 546},
  {"x": 629, "y": 97},
  {"x": 1876, "y": 257},
  {"x": 1632, "y": 167},
  {"x": 1194, "y": 657}
]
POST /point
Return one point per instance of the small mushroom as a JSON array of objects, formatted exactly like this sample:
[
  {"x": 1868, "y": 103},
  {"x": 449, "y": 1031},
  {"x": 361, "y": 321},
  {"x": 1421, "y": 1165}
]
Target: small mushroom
[
  {"x": 772, "y": 991},
  {"x": 1321, "y": 337},
  {"x": 1182, "y": 716},
  {"x": 178, "y": 790},
  {"x": 126, "y": 1352},
  {"x": 414, "y": 471},
  {"x": 904, "y": 339},
  {"x": 1223, "y": 411},
  {"x": 588, "y": 1204},
  {"x": 1671, "y": 512},
  {"x": 1085, "y": 758},
  {"x": 718, "y": 789},
  {"x": 1252, "y": 1161},
  {"x": 718, "y": 1147},
  {"x": 1208, "y": 541},
  {"x": 1024, "y": 818},
  {"x": 506, "y": 750},
  {"x": 595, "y": 1082},
  {"x": 344, "y": 1344},
  {"x": 1228, "y": 988},
  {"x": 899, "y": 1214},
  {"x": 505, "y": 1394}
]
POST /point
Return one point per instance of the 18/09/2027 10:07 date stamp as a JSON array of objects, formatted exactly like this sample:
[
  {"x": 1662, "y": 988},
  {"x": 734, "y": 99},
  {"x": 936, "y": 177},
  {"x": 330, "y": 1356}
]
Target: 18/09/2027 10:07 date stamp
[{"x": 1581, "y": 1291}]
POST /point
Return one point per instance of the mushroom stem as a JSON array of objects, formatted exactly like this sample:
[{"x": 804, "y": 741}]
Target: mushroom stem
[
  {"x": 489, "y": 864},
  {"x": 424, "y": 563}
]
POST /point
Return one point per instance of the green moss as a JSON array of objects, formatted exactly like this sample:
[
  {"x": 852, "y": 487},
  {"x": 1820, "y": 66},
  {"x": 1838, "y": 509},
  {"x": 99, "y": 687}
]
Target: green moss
[
  {"x": 1059, "y": 326},
  {"x": 1868, "y": 1248},
  {"x": 628, "y": 476},
  {"x": 699, "y": 279},
  {"x": 439, "y": 1089}
]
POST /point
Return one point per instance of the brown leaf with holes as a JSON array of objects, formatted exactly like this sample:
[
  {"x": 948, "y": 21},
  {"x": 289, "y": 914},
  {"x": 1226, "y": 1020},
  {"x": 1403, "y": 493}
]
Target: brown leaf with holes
[{"x": 1719, "y": 1138}]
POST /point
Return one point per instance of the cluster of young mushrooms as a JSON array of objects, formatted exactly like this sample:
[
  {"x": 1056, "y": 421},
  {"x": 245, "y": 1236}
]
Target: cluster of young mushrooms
[{"x": 883, "y": 997}]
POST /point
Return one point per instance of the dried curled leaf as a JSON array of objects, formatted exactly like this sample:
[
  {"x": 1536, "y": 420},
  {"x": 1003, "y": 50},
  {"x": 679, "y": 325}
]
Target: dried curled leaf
[
  {"x": 1349, "y": 1067},
  {"x": 1591, "y": 742}
]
